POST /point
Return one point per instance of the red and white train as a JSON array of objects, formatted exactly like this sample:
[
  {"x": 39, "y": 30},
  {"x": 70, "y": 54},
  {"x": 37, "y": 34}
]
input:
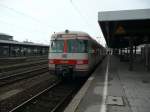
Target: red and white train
[{"x": 74, "y": 53}]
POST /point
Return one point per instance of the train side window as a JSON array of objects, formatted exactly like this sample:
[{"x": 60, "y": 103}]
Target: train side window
[{"x": 91, "y": 49}]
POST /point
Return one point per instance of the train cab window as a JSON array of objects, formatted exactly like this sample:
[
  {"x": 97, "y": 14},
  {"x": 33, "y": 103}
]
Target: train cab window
[
  {"x": 77, "y": 46},
  {"x": 57, "y": 46}
]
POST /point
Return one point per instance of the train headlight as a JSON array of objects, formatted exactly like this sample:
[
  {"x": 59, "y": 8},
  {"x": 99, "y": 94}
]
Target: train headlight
[
  {"x": 51, "y": 61},
  {"x": 80, "y": 62}
]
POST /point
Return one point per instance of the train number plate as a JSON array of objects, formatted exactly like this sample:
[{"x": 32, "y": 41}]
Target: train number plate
[{"x": 64, "y": 55}]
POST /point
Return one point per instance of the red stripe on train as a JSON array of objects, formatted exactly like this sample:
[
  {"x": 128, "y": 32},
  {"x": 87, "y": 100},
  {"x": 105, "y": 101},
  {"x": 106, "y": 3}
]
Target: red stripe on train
[
  {"x": 71, "y": 62},
  {"x": 65, "y": 46}
]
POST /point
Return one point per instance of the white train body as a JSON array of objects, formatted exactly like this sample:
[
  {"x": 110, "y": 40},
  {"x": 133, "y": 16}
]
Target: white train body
[{"x": 74, "y": 53}]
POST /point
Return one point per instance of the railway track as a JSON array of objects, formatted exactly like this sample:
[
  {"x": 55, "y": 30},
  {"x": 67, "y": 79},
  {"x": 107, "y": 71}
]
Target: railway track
[
  {"x": 5, "y": 69},
  {"x": 12, "y": 61},
  {"x": 52, "y": 99},
  {"x": 36, "y": 70}
]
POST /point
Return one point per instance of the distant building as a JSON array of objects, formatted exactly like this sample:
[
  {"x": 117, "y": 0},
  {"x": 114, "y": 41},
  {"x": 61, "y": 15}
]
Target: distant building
[{"x": 5, "y": 37}]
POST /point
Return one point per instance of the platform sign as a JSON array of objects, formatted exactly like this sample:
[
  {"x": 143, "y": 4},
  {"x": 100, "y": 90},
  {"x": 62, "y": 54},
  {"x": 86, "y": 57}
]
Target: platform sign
[{"x": 120, "y": 30}]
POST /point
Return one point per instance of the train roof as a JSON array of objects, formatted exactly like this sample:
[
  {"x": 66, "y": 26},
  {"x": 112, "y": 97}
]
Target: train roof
[
  {"x": 78, "y": 33},
  {"x": 21, "y": 43}
]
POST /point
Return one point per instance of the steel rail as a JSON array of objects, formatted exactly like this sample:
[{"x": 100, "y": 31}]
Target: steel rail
[
  {"x": 21, "y": 65},
  {"x": 35, "y": 96},
  {"x": 23, "y": 75},
  {"x": 62, "y": 101},
  {"x": 20, "y": 71}
]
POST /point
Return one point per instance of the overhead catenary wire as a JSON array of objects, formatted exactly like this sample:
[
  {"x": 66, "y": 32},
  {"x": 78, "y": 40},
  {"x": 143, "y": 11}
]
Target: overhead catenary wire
[
  {"x": 28, "y": 16},
  {"x": 80, "y": 13},
  {"x": 83, "y": 17},
  {"x": 20, "y": 27}
]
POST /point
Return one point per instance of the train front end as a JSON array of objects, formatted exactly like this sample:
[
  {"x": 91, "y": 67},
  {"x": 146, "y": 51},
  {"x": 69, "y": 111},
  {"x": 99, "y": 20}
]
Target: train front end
[{"x": 68, "y": 56}]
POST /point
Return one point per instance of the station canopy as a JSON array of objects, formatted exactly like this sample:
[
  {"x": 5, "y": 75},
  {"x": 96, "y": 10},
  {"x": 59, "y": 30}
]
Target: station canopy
[{"x": 119, "y": 27}]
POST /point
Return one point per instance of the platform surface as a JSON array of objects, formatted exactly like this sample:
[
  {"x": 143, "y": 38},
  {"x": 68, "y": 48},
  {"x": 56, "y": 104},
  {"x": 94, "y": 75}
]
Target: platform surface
[{"x": 113, "y": 88}]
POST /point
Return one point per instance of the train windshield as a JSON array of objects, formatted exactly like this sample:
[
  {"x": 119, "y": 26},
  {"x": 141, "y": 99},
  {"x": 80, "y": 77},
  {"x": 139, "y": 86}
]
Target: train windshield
[
  {"x": 57, "y": 46},
  {"x": 77, "y": 46}
]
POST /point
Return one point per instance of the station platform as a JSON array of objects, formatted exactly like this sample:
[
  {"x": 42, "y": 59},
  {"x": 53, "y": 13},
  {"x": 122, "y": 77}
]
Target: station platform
[{"x": 113, "y": 88}]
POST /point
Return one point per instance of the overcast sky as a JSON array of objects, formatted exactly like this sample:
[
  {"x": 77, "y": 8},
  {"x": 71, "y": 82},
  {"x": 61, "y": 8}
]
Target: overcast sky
[{"x": 36, "y": 20}]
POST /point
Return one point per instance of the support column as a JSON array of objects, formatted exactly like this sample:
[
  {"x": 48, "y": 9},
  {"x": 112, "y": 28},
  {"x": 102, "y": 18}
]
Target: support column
[
  {"x": 121, "y": 54},
  {"x": 128, "y": 54},
  {"x": 127, "y": 51},
  {"x": 135, "y": 51},
  {"x": 146, "y": 57},
  {"x": 146, "y": 53},
  {"x": 131, "y": 54}
]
